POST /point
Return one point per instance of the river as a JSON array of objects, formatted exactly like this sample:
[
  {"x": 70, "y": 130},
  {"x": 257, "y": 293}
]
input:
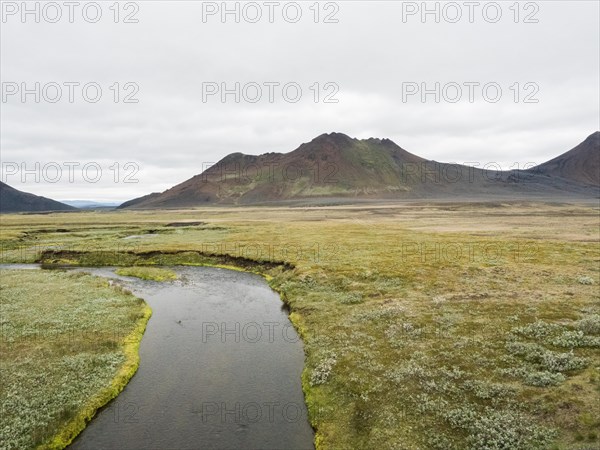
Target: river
[{"x": 220, "y": 368}]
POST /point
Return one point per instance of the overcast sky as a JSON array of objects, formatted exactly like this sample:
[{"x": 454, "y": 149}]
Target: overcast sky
[{"x": 371, "y": 61}]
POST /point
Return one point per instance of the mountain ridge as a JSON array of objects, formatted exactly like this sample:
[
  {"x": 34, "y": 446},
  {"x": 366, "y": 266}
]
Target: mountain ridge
[
  {"x": 335, "y": 165},
  {"x": 581, "y": 163},
  {"x": 13, "y": 200}
]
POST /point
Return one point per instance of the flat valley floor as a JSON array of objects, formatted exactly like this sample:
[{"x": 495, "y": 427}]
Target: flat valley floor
[{"x": 425, "y": 325}]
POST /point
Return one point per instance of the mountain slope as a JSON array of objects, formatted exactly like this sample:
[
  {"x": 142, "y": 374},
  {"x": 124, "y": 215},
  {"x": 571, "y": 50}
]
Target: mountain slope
[
  {"x": 138, "y": 200},
  {"x": 331, "y": 165},
  {"x": 580, "y": 164},
  {"x": 13, "y": 200},
  {"x": 335, "y": 166}
]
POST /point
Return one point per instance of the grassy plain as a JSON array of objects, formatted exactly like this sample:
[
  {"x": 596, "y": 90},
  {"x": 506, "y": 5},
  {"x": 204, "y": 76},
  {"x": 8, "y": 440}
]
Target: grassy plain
[{"x": 444, "y": 326}]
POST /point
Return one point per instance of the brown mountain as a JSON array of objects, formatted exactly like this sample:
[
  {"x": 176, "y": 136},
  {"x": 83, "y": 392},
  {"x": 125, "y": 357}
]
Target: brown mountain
[
  {"x": 331, "y": 165},
  {"x": 335, "y": 167},
  {"x": 580, "y": 164},
  {"x": 139, "y": 200},
  {"x": 13, "y": 200}
]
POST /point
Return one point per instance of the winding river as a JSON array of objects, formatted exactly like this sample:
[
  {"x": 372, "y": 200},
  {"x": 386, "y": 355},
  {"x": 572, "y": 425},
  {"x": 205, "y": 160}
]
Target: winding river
[{"x": 220, "y": 368}]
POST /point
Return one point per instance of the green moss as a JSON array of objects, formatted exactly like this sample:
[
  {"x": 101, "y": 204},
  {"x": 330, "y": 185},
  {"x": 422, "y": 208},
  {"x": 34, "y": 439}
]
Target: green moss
[{"x": 147, "y": 273}]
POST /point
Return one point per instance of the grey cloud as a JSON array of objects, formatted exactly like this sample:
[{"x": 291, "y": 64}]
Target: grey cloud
[{"x": 369, "y": 54}]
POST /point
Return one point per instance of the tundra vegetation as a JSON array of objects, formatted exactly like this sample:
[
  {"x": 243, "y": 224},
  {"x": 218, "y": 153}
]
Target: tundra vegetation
[
  {"x": 69, "y": 344},
  {"x": 443, "y": 326},
  {"x": 147, "y": 273}
]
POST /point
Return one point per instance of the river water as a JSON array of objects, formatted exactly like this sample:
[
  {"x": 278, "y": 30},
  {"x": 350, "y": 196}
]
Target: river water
[{"x": 220, "y": 368}]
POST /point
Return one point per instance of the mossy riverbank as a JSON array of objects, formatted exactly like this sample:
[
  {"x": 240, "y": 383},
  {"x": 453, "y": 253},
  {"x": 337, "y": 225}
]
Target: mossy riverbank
[{"x": 69, "y": 345}]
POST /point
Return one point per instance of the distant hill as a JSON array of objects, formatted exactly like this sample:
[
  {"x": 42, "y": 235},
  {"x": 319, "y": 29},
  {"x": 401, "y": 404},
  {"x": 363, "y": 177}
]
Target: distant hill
[
  {"x": 334, "y": 166},
  {"x": 13, "y": 200},
  {"x": 90, "y": 204},
  {"x": 580, "y": 164}
]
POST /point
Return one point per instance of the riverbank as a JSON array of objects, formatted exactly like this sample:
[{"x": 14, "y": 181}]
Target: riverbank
[{"x": 69, "y": 345}]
